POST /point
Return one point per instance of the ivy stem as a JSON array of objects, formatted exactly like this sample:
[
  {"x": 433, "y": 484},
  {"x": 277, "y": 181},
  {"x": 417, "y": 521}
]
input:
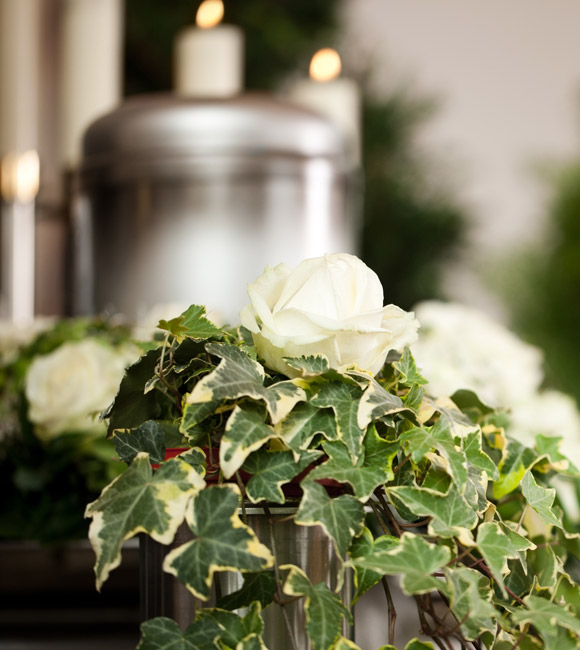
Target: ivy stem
[
  {"x": 389, "y": 514},
  {"x": 277, "y": 575},
  {"x": 243, "y": 491},
  {"x": 522, "y": 517},
  {"x": 520, "y": 638},
  {"x": 391, "y": 610},
  {"x": 379, "y": 517}
]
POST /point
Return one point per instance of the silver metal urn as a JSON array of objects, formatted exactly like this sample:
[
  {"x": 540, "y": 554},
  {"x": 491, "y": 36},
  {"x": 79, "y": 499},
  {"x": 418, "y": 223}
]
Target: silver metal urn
[{"x": 186, "y": 200}]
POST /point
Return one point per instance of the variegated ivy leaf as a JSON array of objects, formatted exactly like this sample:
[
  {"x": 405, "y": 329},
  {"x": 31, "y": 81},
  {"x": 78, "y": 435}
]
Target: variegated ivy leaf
[
  {"x": 550, "y": 619},
  {"x": 457, "y": 422},
  {"x": 363, "y": 546},
  {"x": 309, "y": 366},
  {"x": 345, "y": 644},
  {"x": 222, "y": 542},
  {"x": 148, "y": 437},
  {"x": 414, "y": 559},
  {"x": 139, "y": 501},
  {"x": 546, "y": 566},
  {"x": 260, "y": 586},
  {"x": 341, "y": 518},
  {"x": 496, "y": 549},
  {"x": 251, "y": 642},
  {"x": 163, "y": 633},
  {"x": 306, "y": 421},
  {"x": 344, "y": 401},
  {"x": 246, "y": 431},
  {"x": 237, "y": 375},
  {"x": 549, "y": 448},
  {"x": 194, "y": 415},
  {"x": 414, "y": 644},
  {"x": 377, "y": 402},
  {"x": 193, "y": 324},
  {"x": 372, "y": 469},
  {"x": 407, "y": 369},
  {"x": 451, "y": 515},
  {"x": 521, "y": 543},
  {"x": 476, "y": 457},
  {"x": 196, "y": 458},
  {"x": 420, "y": 440},
  {"x": 324, "y": 609},
  {"x": 272, "y": 469},
  {"x": 234, "y": 628},
  {"x": 540, "y": 499},
  {"x": 516, "y": 461},
  {"x": 470, "y": 601}
]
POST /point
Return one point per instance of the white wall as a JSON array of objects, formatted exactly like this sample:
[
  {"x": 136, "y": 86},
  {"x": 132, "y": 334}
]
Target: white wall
[{"x": 508, "y": 75}]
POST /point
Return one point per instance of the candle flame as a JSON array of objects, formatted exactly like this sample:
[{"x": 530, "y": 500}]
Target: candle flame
[
  {"x": 209, "y": 14},
  {"x": 325, "y": 65},
  {"x": 20, "y": 176}
]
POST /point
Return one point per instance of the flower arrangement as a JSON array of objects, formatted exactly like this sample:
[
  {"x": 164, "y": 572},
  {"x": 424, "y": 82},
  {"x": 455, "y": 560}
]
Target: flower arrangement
[
  {"x": 316, "y": 402},
  {"x": 55, "y": 379}
]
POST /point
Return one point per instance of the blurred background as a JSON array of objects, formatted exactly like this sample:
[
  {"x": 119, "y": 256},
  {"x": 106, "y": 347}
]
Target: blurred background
[{"x": 443, "y": 149}]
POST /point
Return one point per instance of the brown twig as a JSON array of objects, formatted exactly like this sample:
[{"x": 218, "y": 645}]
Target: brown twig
[{"x": 391, "y": 610}]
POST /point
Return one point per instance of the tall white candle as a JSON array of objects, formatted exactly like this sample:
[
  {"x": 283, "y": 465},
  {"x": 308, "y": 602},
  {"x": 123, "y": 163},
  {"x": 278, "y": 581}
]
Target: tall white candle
[
  {"x": 334, "y": 97},
  {"x": 19, "y": 122},
  {"x": 209, "y": 58},
  {"x": 90, "y": 68}
]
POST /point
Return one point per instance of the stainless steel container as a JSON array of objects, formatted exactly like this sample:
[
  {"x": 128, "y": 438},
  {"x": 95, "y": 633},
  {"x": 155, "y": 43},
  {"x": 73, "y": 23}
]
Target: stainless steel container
[
  {"x": 185, "y": 201},
  {"x": 308, "y": 547}
]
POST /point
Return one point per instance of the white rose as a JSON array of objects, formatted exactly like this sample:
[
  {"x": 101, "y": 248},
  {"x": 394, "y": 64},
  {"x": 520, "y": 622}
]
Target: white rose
[
  {"x": 330, "y": 305},
  {"x": 66, "y": 388}
]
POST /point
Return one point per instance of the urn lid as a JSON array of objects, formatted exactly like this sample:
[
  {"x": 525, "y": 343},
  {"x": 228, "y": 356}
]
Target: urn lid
[{"x": 155, "y": 128}]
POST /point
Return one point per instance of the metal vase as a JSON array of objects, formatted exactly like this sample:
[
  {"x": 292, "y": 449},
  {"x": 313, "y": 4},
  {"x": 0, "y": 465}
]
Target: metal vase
[{"x": 308, "y": 547}]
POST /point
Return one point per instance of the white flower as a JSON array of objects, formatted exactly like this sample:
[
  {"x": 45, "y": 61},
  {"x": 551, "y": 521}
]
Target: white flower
[
  {"x": 14, "y": 336},
  {"x": 460, "y": 347},
  {"x": 331, "y": 305},
  {"x": 67, "y": 388}
]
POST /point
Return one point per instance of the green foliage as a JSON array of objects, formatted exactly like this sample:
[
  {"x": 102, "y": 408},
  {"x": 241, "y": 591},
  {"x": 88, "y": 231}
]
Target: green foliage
[
  {"x": 450, "y": 494},
  {"x": 46, "y": 484}
]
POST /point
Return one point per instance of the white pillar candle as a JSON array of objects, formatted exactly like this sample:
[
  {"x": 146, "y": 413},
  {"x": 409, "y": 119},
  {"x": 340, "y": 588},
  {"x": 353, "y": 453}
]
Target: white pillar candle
[
  {"x": 19, "y": 122},
  {"x": 334, "y": 97},
  {"x": 90, "y": 68},
  {"x": 209, "y": 58}
]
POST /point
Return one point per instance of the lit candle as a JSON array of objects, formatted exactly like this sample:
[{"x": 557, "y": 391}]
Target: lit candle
[
  {"x": 209, "y": 57},
  {"x": 90, "y": 68},
  {"x": 334, "y": 97}
]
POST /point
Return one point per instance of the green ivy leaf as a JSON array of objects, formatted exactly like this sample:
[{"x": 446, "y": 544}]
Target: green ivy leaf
[
  {"x": 246, "y": 431},
  {"x": 451, "y": 515},
  {"x": 548, "y": 618},
  {"x": 515, "y": 463},
  {"x": 193, "y": 324},
  {"x": 407, "y": 369},
  {"x": 371, "y": 470},
  {"x": 235, "y": 629},
  {"x": 324, "y": 609},
  {"x": 540, "y": 499},
  {"x": 139, "y": 501},
  {"x": 342, "y": 518},
  {"x": 363, "y": 546},
  {"x": 548, "y": 447},
  {"x": 545, "y": 566},
  {"x": 164, "y": 634},
  {"x": 194, "y": 415},
  {"x": 345, "y": 644},
  {"x": 148, "y": 437},
  {"x": 343, "y": 400},
  {"x": 306, "y": 421},
  {"x": 309, "y": 366},
  {"x": 239, "y": 376},
  {"x": 132, "y": 406},
  {"x": 376, "y": 402},
  {"x": 259, "y": 587},
  {"x": 472, "y": 447},
  {"x": 496, "y": 548},
  {"x": 272, "y": 469},
  {"x": 414, "y": 559},
  {"x": 470, "y": 601},
  {"x": 251, "y": 642},
  {"x": 420, "y": 440},
  {"x": 222, "y": 542}
]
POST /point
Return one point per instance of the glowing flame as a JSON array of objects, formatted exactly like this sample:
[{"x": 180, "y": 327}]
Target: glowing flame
[
  {"x": 325, "y": 65},
  {"x": 209, "y": 14},
  {"x": 20, "y": 176}
]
